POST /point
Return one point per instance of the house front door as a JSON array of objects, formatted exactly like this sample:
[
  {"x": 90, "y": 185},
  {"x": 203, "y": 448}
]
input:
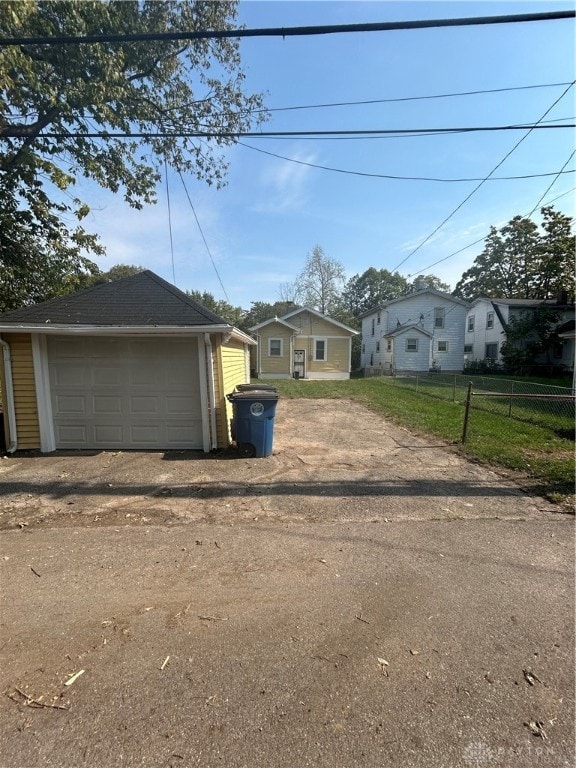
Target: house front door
[{"x": 299, "y": 363}]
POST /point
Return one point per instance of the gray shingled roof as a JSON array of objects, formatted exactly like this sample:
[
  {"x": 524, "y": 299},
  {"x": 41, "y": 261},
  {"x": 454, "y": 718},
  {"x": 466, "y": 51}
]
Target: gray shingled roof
[{"x": 139, "y": 300}]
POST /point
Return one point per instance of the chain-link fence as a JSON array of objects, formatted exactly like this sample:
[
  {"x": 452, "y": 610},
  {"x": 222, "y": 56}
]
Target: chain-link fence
[{"x": 542, "y": 404}]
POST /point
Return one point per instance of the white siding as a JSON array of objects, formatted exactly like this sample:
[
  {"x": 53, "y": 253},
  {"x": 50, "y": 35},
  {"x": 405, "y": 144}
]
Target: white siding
[{"x": 482, "y": 335}]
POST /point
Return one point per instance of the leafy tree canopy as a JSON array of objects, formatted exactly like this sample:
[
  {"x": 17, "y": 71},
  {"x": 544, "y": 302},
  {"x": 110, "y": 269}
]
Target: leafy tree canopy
[
  {"x": 232, "y": 315},
  {"x": 260, "y": 311},
  {"x": 372, "y": 287},
  {"x": 431, "y": 282},
  {"x": 530, "y": 334},
  {"x": 522, "y": 261},
  {"x": 70, "y": 91}
]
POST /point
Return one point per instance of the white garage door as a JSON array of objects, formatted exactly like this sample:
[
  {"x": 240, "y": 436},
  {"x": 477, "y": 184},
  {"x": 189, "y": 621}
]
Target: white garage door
[{"x": 125, "y": 392}]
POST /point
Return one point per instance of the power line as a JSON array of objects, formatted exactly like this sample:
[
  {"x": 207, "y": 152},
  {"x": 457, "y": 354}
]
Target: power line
[
  {"x": 204, "y": 239},
  {"x": 476, "y": 188},
  {"x": 400, "y": 178},
  {"x": 552, "y": 183},
  {"x": 481, "y": 240},
  {"x": 284, "y": 32},
  {"x": 405, "y": 98},
  {"x": 21, "y": 131}
]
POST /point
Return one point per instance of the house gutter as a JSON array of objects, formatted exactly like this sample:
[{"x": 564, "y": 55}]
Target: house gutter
[
  {"x": 11, "y": 410},
  {"x": 211, "y": 392}
]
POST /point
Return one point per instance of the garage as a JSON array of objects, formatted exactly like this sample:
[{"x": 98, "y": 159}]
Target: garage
[
  {"x": 125, "y": 392},
  {"x": 131, "y": 364}
]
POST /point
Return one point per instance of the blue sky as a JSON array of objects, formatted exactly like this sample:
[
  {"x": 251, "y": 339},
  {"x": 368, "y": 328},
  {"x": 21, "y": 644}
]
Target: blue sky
[{"x": 272, "y": 213}]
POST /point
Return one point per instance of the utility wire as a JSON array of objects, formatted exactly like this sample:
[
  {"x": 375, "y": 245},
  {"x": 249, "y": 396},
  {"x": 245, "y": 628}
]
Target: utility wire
[
  {"x": 20, "y": 131},
  {"x": 402, "y": 178},
  {"x": 170, "y": 221},
  {"x": 552, "y": 183},
  {"x": 477, "y": 187},
  {"x": 284, "y": 32},
  {"x": 404, "y": 98},
  {"x": 482, "y": 239},
  {"x": 203, "y": 238}
]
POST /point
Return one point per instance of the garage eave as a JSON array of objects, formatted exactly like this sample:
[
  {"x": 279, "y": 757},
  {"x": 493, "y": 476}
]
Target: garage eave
[{"x": 116, "y": 330}]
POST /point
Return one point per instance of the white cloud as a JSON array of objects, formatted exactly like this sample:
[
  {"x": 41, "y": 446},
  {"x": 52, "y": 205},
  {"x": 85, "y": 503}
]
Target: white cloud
[{"x": 285, "y": 183}]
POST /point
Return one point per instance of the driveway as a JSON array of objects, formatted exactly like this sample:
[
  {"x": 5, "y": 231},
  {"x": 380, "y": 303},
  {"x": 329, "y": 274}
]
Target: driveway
[{"x": 363, "y": 597}]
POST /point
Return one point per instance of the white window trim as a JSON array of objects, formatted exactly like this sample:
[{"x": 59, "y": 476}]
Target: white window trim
[
  {"x": 490, "y": 317},
  {"x": 442, "y": 351},
  {"x": 439, "y": 314},
  {"x": 325, "y": 340},
  {"x": 411, "y": 350},
  {"x": 270, "y": 347},
  {"x": 470, "y": 323}
]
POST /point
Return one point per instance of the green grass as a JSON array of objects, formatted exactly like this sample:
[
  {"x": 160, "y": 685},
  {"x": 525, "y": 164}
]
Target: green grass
[{"x": 543, "y": 459}]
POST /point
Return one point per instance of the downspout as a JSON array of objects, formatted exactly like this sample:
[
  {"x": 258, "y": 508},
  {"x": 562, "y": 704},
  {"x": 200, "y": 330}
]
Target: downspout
[
  {"x": 211, "y": 392},
  {"x": 11, "y": 410}
]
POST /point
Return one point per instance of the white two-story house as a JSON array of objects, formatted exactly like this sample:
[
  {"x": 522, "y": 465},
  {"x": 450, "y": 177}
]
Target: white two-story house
[
  {"x": 421, "y": 331},
  {"x": 487, "y": 321}
]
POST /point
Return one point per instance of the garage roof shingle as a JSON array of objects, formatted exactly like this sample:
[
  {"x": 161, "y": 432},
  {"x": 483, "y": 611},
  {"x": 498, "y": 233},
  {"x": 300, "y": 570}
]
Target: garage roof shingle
[{"x": 139, "y": 300}]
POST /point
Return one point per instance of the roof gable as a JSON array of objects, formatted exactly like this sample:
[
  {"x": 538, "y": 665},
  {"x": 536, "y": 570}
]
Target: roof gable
[
  {"x": 414, "y": 295},
  {"x": 140, "y": 300},
  {"x": 401, "y": 329},
  {"x": 271, "y": 322},
  {"x": 294, "y": 312}
]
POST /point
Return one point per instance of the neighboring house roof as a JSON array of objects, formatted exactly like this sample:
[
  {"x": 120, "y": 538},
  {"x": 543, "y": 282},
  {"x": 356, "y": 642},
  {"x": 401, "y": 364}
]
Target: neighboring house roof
[
  {"x": 566, "y": 328},
  {"x": 298, "y": 311},
  {"x": 399, "y": 330},
  {"x": 274, "y": 320},
  {"x": 143, "y": 301},
  {"x": 522, "y": 303},
  {"x": 430, "y": 291}
]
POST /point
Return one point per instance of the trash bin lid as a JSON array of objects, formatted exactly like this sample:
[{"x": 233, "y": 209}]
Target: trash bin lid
[
  {"x": 254, "y": 394},
  {"x": 255, "y": 387}
]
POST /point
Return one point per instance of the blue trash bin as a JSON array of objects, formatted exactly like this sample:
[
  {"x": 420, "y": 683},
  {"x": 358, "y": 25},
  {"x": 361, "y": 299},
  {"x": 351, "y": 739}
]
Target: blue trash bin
[{"x": 253, "y": 421}]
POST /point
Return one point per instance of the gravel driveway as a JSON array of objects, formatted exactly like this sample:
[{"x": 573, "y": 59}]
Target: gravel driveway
[{"x": 363, "y": 597}]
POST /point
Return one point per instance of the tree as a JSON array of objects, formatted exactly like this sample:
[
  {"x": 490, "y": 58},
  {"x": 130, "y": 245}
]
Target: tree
[
  {"x": 371, "y": 288},
  {"x": 431, "y": 281},
  {"x": 232, "y": 315},
  {"x": 52, "y": 97},
  {"x": 531, "y": 334},
  {"x": 320, "y": 282},
  {"x": 260, "y": 311},
  {"x": 519, "y": 261}
]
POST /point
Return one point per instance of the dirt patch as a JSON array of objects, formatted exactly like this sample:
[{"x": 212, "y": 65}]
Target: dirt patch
[{"x": 332, "y": 461}]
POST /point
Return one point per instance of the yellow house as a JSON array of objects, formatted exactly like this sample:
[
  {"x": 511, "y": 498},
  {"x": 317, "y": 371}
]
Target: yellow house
[
  {"x": 130, "y": 364},
  {"x": 302, "y": 344}
]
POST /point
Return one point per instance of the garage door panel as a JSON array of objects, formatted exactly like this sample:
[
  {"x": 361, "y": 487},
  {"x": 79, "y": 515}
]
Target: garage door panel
[
  {"x": 106, "y": 405},
  {"x": 68, "y": 436},
  {"x": 71, "y": 405},
  {"x": 125, "y": 393},
  {"x": 108, "y": 434},
  {"x": 149, "y": 405}
]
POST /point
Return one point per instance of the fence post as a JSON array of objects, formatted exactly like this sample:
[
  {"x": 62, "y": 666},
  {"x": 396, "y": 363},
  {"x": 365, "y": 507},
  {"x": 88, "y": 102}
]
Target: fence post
[
  {"x": 467, "y": 413},
  {"x": 510, "y": 403}
]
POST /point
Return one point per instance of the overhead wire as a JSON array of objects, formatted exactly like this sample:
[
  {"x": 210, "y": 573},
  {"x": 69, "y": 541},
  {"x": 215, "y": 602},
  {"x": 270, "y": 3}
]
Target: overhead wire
[
  {"x": 478, "y": 186},
  {"x": 203, "y": 237},
  {"x": 284, "y": 32},
  {"x": 482, "y": 239},
  {"x": 552, "y": 183},
  {"x": 388, "y": 176},
  {"x": 170, "y": 221}
]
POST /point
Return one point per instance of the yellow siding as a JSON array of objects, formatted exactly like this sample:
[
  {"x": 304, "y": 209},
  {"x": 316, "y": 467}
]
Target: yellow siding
[
  {"x": 24, "y": 387},
  {"x": 229, "y": 370},
  {"x": 311, "y": 325},
  {"x": 337, "y": 358},
  {"x": 274, "y": 365}
]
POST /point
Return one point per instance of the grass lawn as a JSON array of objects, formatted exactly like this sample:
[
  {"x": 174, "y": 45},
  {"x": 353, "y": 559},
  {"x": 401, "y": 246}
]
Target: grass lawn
[{"x": 543, "y": 459}]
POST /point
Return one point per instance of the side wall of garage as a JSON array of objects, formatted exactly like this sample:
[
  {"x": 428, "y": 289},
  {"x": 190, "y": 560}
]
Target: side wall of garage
[
  {"x": 230, "y": 359},
  {"x": 25, "y": 404}
]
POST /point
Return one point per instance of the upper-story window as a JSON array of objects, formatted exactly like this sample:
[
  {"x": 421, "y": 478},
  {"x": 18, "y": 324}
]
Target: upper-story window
[
  {"x": 439, "y": 316},
  {"x": 377, "y": 346},
  {"x": 378, "y": 318},
  {"x": 490, "y": 320},
  {"x": 470, "y": 326},
  {"x": 373, "y": 326}
]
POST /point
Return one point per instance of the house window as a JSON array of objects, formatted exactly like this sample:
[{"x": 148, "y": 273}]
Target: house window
[
  {"x": 371, "y": 358},
  {"x": 377, "y": 346},
  {"x": 275, "y": 348},
  {"x": 557, "y": 351},
  {"x": 468, "y": 348},
  {"x": 490, "y": 320},
  {"x": 411, "y": 345},
  {"x": 470, "y": 327},
  {"x": 439, "y": 313},
  {"x": 373, "y": 326},
  {"x": 442, "y": 346},
  {"x": 363, "y": 348},
  {"x": 378, "y": 318},
  {"x": 388, "y": 345},
  {"x": 491, "y": 351},
  {"x": 320, "y": 349}
]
